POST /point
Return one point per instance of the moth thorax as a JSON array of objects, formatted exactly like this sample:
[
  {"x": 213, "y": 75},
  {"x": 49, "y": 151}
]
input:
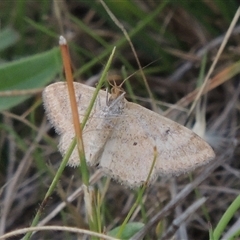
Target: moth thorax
[{"x": 115, "y": 93}]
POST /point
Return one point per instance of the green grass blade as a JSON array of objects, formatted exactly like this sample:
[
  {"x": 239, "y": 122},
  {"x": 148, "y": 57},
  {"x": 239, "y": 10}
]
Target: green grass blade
[
  {"x": 28, "y": 73},
  {"x": 227, "y": 216}
]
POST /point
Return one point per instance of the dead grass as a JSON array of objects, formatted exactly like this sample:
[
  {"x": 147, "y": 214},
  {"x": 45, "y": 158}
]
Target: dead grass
[{"x": 177, "y": 38}]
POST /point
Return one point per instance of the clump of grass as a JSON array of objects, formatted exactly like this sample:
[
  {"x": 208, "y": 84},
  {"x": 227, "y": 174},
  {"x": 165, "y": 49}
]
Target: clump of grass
[{"x": 178, "y": 36}]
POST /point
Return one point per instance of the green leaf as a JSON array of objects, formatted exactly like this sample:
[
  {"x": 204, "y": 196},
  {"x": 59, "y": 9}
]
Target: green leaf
[
  {"x": 8, "y": 37},
  {"x": 129, "y": 230},
  {"x": 28, "y": 73}
]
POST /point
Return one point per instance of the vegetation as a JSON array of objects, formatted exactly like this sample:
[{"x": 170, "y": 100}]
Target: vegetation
[{"x": 176, "y": 43}]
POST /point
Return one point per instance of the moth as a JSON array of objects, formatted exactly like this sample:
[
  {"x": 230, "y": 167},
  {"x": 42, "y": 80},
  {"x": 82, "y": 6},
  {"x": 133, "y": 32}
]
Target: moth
[{"x": 120, "y": 136}]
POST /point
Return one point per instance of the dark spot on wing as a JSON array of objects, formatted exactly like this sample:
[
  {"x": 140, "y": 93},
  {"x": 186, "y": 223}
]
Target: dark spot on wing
[
  {"x": 79, "y": 97},
  {"x": 167, "y": 131}
]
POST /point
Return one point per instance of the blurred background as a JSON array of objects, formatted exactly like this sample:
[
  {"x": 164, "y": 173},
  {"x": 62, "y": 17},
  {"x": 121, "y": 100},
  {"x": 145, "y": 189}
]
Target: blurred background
[{"x": 176, "y": 43}]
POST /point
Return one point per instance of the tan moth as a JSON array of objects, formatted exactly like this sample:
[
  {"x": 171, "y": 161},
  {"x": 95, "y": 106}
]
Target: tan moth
[{"x": 120, "y": 136}]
